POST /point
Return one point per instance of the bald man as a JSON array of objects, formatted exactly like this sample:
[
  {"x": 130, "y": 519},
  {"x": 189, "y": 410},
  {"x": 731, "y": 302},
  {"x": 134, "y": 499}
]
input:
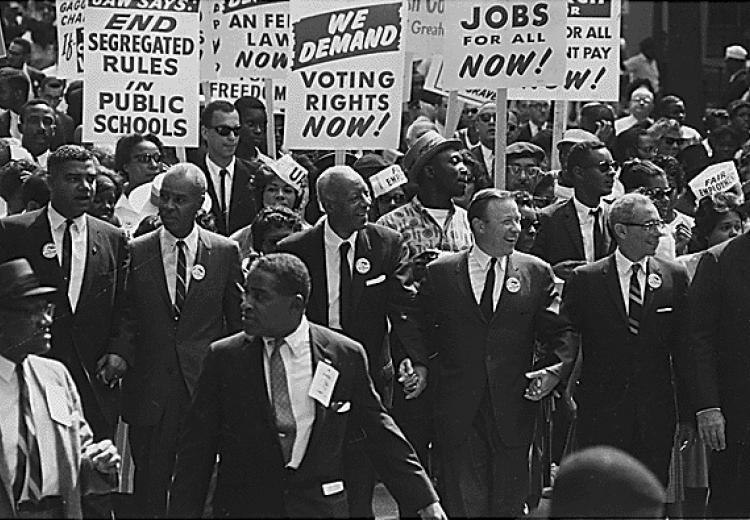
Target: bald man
[
  {"x": 359, "y": 280},
  {"x": 184, "y": 291}
]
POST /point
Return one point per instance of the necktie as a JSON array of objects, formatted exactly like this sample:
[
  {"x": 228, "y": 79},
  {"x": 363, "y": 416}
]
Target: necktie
[
  {"x": 599, "y": 249},
  {"x": 180, "y": 285},
  {"x": 485, "y": 303},
  {"x": 223, "y": 202},
  {"x": 345, "y": 284},
  {"x": 28, "y": 481},
  {"x": 282, "y": 404},
  {"x": 67, "y": 256},
  {"x": 636, "y": 302}
]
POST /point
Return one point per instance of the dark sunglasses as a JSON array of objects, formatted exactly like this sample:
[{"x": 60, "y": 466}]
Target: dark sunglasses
[
  {"x": 224, "y": 130},
  {"x": 671, "y": 141},
  {"x": 484, "y": 117},
  {"x": 606, "y": 166},
  {"x": 528, "y": 222},
  {"x": 146, "y": 158},
  {"x": 657, "y": 193}
]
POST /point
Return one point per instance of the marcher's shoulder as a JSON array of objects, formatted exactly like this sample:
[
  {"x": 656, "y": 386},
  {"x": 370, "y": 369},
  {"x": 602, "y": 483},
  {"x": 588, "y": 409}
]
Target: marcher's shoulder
[
  {"x": 228, "y": 344},
  {"x": 337, "y": 341},
  {"x": 113, "y": 233},
  {"x": 737, "y": 248},
  {"x": 384, "y": 233},
  {"x": 21, "y": 220},
  {"x": 218, "y": 241},
  {"x": 299, "y": 239},
  {"x": 528, "y": 261},
  {"x": 49, "y": 370},
  {"x": 672, "y": 266}
]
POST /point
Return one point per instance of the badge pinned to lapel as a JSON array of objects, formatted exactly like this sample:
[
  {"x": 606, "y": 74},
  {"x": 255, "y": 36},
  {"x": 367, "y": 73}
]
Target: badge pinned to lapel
[
  {"x": 513, "y": 285},
  {"x": 654, "y": 281},
  {"x": 198, "y": 272},
  {"x": 362, "y": 265},
  {"x": 323, "y": 382},
  {"x": 49, "y": 251}
]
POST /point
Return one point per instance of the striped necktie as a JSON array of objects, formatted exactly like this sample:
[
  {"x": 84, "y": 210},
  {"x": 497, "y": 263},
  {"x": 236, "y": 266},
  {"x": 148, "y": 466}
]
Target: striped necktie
[
  {"x": 282, "y": 403},
  {"x": 28, "y": 481},
  {"x": 635, "y": 308},
  {"x": 180, "y": 286}
]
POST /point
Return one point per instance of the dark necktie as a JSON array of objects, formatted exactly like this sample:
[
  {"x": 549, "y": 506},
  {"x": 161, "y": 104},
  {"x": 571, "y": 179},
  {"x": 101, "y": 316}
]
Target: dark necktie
[
  {"x": 180, "y": 285},
  {"x": 485, "y": 303},
  {"x": 223, "y": 202},
  {"x": 345, "y": 284},
  {"x": 67, "y": 256},
  {"x": 636, "y": 302},
  {"x": 599, "y": 248},
  {"x": 282, "y": 403},
  {"x": 28, "y": 481}
]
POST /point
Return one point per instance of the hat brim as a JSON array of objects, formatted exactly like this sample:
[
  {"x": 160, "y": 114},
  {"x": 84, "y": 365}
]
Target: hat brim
[
  {"x": 38, "y": 291},
  {"x": 432, "y": 152}
]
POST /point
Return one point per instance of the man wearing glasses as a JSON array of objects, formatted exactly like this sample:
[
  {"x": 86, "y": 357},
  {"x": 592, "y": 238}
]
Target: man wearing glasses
[
  {"x": 484, "y": 151},
  {"x": 523, "y": 166},
  {"x": 229, "y": 178},
  {"x": 628, "y": 309}
]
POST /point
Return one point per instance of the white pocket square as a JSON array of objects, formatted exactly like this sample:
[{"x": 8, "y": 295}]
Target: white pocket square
[
  {"x": 664, "y": 309},
  {"x": 341, "y": 407},
  {"x": 375, "y": 281}
]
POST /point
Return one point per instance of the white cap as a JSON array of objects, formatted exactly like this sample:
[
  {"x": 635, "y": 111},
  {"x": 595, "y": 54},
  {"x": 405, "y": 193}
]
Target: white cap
[{"x": 735, "y": 52}]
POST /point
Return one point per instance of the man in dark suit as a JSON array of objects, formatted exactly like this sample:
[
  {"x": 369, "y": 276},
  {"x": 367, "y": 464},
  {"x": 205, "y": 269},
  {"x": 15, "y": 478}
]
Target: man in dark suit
[
  {"x": 628, "y": 309},
  {"x": 483, "y": 310},
  {"x": 538, "y": 118},
  {"x": 718, "y": 328},
  {"x": 359, "y": 298},
  {"x": 576, "y": 231},
  {"x": 275, "y": 403},
  {"x": 183, "y": 292},
  {"x": 85, "y": 258},
  {"x": 229, "y": 178}
]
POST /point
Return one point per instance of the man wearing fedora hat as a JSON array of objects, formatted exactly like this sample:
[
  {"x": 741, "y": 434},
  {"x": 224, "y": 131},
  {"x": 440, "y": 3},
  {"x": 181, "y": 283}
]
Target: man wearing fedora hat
[
  {"x": 735, "y": 64},
  {"x": 49, "y": 459}
]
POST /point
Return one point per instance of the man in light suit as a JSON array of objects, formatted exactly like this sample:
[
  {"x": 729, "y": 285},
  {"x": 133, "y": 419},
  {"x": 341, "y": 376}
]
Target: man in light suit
[
  {"x": 483, "y": 310},
  {"x": 275, "y": 403},
  {"x": 360, "y": 301},
  {"x": 49, "y": 459},
  {"x": 183, "y": 292},
  {"x": 229, "y": 179},
  {"x": 85, "y": 258},
  {"x": 628, "y": 309}
]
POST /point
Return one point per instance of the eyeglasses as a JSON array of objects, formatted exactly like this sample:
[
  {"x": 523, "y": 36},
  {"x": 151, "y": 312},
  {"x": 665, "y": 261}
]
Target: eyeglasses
[
  {"x": 605, "y": 166},
  {"x": 644, "y": 100},
  {"x": 224, "y": 130},
  {"x": 486, "y": 117},
  {"x": 657, "y": 193},
  {"x": 543, "y": 202},
  {"x": 528, "y": 222},
  {"x": 671, "y": 141},
  {"x": 145, "y": 158},
  {"x": 651, "y": 226},
  {"x": 531, "y": 171}
]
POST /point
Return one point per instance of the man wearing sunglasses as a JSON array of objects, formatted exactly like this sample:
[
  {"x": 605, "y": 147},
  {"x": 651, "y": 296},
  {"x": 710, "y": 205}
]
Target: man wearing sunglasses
[
  {"x": 484, "y": 123},
  {"x": 628, "y": 309},
  {"x": 523, "y": 166},
  {"x": 228, "y": 177}
]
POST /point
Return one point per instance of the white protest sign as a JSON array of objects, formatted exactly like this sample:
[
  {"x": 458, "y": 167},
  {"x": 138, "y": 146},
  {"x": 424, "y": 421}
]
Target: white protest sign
[
  {"x": 593, "y": 55},
  {"x": 254, "y": 39},
  {"x": 210, "y": 12},
  {"x": 715, "y": 179},
  {"x": 233, "y": 89},
  {"x": 433, "y": 82},
  {"x": 424, "y": 28},
  {"x": 142, "y": 71},
  {"x": 347, "y": 75},
  {"x": 290, "y": 172},
  {"x": 517, "y": 43},
  {"x": 386, "y": 180},
  {"x": 70, "y": 20}
]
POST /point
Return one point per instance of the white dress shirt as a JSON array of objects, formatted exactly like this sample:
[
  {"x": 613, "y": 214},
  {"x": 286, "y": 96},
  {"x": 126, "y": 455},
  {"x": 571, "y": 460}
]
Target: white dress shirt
[
  {"x": 297, "y": 358},
  {"x": 624, "y": 272},
  {"x": 586, "y": 224},
  {"x": 333, "y": 262},
  {"x": 213, "y": 171},
  {"x": 489, "y": 160},
  {"x": 14, "y": 120},
  {"x": 79, "y": 241},
  {"x": 9, "y": 409},
  {"x": 169, "y": 258},
  {"x": 479, "y": 264}
]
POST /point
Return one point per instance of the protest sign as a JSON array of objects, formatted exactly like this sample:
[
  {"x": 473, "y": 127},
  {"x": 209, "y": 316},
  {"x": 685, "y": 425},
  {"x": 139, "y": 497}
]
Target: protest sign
[
  {"x": 593, "y": 55},
  {"x": 291, "y": 172},
  {"x": 433, "y": 83},
  {"x": 254, "y": 39},
  {"x": 386, "y": 180},
  {"x": 232, "y": 89},
  {"x": 424, "y": 30},
  {"x": 141, "y": 70},
  {"x": 517, "y": 43},
  {"x": 210, "y": 13},
  {"x": 70, "y": 20},
  {"x": 715, "y": 179},
  {"x": 347, "y": 74}
]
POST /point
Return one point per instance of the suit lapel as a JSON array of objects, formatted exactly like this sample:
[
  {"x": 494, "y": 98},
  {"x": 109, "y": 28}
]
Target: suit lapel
[
  {"x": 612, "y": 281},
  {"x": 257, "y": 383},
  {"x": 6, "y": 500},
  {"x": 574, "y": 228},
  {"x": 511, "y": 270},
  {"x": 157, "y": 268},
  {"x": 202, "y": 257},
  {"x": 464, "y": 284},
  {"x": 94, "y": 251},
  {"x": 221, "y": 225},
  {"x": 49, "y": 267},
  {"x": 241, "y": 196},
  {"x": 362, "y": 249},
  {"x": 609, "y": 244},
  {"x": 320, "y": 354},
  {"x": 653, "y": 270},
  {"x": 318, "y": 273}
]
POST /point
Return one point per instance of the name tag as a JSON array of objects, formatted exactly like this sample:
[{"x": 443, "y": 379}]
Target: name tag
[{"x": 323, "y": 382}]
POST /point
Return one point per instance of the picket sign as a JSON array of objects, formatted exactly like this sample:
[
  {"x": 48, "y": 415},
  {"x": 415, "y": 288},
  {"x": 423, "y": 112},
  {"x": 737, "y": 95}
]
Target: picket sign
[
  {"x": 271, "y": 124},
  {"x": 559, "y": 122},
  {"x": 501, "y": 129},
  {"x": 339, "y": 157},
  {"x": 452, "y": 114}
]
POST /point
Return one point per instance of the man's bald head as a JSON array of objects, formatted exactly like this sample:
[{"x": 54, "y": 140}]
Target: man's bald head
[
  {"x": 345, "y": 198},
  {"x": 190, "y": 173},
  {"x": 335, "y": 180},
  {"x": 181, "y": 197}
]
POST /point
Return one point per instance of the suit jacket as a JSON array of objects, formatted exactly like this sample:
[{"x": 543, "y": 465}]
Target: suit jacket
[
  {"x": 80, "y": 338},
  {"x": 164, "y": 355},
  {"x": 476, "y": 356},
  {"x": 524, "y": 133},
  {"x": 64, "y": 128},
  {"x": 487, "y": 177},
  {"x": 63, "y": 436},
  {"x": 718, "y": 328},
  {"x": 378, "y": 294},
  {"x": 243, "y": 206},
  {"x": 624, "y": 381},
  {"x": 232, "y": 416},
  {"x": 559, "y": 236}
]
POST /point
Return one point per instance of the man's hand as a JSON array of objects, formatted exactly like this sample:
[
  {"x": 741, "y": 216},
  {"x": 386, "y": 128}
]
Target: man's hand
[
  {"x": 563, "y": 269},
  {"x": 604, "y": 130},
  {"x": 682, "y": 236},
  {"x": 433, "y": 512},
  {"x": 541, "y": 384},
  {"x": 103, "y": 455},
  {"x": 413, "y": 378},
  {"x": 110, "y": 369},
  {"x": 711, "y": 429}
]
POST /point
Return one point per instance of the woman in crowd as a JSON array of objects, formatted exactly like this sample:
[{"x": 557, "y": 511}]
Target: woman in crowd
[
  {"x": 138, "y": 159},
  {"x": 108, "y": 192},
  {"x": 666, "y": 134},
  {"x": 270, "y": 226}
]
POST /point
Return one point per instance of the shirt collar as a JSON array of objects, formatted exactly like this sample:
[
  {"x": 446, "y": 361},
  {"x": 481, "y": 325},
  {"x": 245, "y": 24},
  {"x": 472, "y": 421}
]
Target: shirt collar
[
  {"x": 483, "y": 259},
  {"x": 624, "y": 265},
  {"x": 582, "y": 209},
  {"x": 191, "y": 240},
  {"x": 7, "y": 368},
  {"x": 486, "y": 152},
  {"x": 215, "y": 168},
  {"x": 297, "y": 340},
  {"x": 56, "y": 220},
  {"x": 332, "y": 240},
  {"x": 421, "y": 208}
]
